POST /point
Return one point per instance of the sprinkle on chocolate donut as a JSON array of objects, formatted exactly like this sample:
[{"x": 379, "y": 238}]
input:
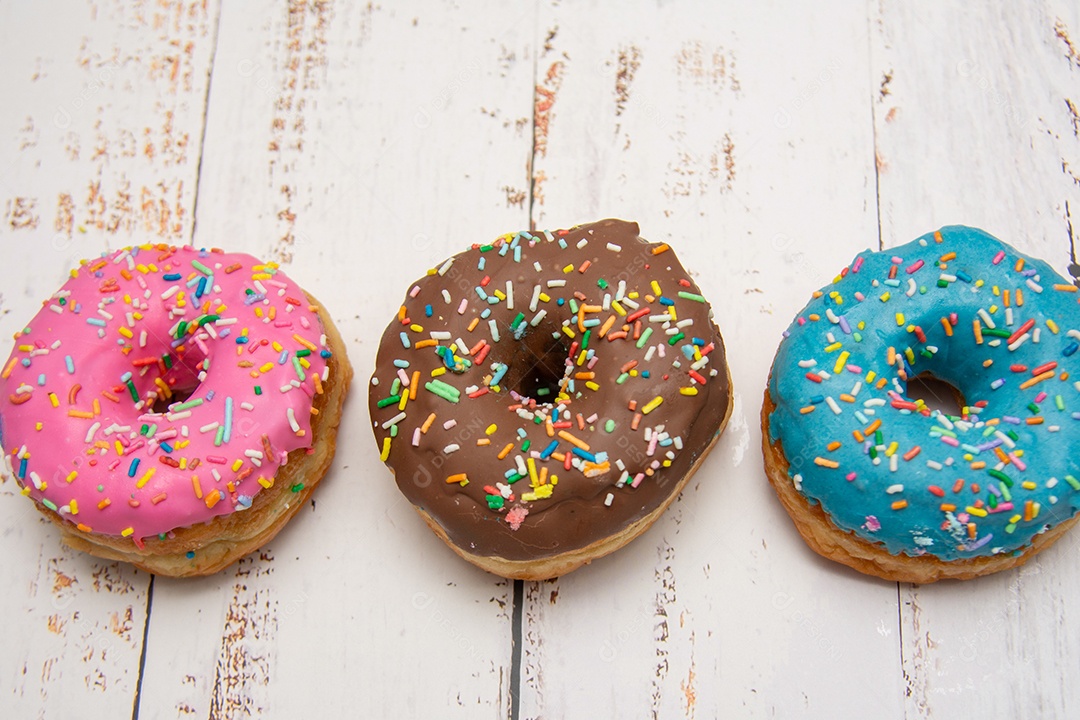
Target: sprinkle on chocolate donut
[
  {"x": 539, "y": 394},
  {"x": 912, "y": 482}
]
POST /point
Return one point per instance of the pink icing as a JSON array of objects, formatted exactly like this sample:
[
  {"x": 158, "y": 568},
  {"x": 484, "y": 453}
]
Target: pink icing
[{"x": 115, "y": 466}]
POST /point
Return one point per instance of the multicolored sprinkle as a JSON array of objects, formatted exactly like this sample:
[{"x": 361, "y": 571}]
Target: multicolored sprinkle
[
  {"x": 161, "y": 387},
  {"x": 965, "y": 308},
  {"x": 557, "y": 369}
]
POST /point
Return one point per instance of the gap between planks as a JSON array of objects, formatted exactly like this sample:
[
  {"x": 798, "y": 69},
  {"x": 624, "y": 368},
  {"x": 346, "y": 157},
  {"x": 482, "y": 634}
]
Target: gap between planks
[
  {"x": 517, "y": 616},
  {"x": 516, "y": 627},
  {"x": 142, "y": 653}
]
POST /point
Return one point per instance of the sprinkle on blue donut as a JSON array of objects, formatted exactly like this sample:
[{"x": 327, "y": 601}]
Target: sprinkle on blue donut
[{"x": 963, "y": 307}]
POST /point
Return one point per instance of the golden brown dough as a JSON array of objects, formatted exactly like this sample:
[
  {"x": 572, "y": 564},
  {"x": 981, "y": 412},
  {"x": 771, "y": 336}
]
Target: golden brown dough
[
  {"x": 561, "y": 564},
  {"x": 828, "y": 540},
  {"x": 219, "y": 543}
]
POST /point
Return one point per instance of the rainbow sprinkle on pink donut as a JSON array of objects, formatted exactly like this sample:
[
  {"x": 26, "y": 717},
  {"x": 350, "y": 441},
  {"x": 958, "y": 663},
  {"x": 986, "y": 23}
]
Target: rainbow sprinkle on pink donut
[{"x": 161, "y": 387}]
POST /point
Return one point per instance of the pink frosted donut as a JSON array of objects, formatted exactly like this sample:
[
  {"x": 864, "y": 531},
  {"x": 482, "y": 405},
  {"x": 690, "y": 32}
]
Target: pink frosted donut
[{"x": 161, "y": 393}]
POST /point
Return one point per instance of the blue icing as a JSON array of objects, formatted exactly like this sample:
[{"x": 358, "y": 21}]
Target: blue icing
[{"x": 859, "y": 494}]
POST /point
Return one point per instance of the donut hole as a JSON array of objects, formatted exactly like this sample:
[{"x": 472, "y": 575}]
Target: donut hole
[
  {"x": 538, "y": 366},
  {"x": 179, "y": 394},
  {"x": 936, "y": 394},
  {"x": 181, "y": 377}
]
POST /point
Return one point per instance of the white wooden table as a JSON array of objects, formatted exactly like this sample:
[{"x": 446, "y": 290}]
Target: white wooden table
[{"x": 360, "y": 144}]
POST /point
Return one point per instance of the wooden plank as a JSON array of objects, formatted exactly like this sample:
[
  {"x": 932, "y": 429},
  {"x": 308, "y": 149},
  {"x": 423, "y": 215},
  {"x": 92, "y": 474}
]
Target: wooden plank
[
  {"x": 743, "y": 138},
  {"x": 976, "y": 123},
  {"x": 359, "y": 146},
  {"x": 101, "y": 128},
  {"x": 975, "y": 120},
  {"x": 75, "y": 625}
]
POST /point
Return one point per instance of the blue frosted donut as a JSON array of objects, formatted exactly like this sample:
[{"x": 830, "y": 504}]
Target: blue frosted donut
[{"x": 904, "y": 486}]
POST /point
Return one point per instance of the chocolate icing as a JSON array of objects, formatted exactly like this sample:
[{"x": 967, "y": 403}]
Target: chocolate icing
[{"x": 575, "y": 515}]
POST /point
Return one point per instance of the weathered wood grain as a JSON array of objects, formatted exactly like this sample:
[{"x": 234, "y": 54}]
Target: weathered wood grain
[
  {"x": 359, "y": 144},
  {"x": 745, "y": 139},
  {"x": 975, "y": 123},
  {"x": 104, "y": 106}
]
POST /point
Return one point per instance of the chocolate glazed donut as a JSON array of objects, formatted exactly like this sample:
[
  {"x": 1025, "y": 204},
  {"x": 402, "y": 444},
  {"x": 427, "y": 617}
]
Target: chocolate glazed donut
[{"x": 541, "y": 399}]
